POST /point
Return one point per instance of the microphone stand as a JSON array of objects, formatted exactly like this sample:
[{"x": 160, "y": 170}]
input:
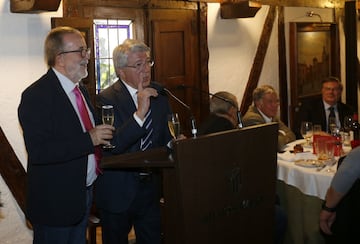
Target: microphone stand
[
  {"x": 238, "y": 113},
  {"x": 192, "y": 118}
]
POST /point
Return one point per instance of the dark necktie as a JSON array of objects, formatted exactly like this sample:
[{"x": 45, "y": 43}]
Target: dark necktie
[
  {"x": 84, "y": 114},
  {"x": 146, "y": 140},
  {"x": 331, "y": 119}
]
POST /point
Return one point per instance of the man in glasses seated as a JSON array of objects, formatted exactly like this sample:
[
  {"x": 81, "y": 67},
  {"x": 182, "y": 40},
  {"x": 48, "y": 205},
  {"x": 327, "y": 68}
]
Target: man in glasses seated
[
  {"x": 319, "y": 111},
  {"x": 265, "y": 110}
]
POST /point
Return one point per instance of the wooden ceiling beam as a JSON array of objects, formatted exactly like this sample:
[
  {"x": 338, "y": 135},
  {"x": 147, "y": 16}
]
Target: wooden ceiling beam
[
  {"x": 287, "y": 3},
  {"x": 243, "y": 9},
  {"x": 33, "y": 6},
  {"x": 305, "y": 3}
]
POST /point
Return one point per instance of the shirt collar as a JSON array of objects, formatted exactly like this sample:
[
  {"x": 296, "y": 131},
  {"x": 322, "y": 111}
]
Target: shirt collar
[
  {"x": 65, "y": 82},
  {"x": 132, "y": 91},
  {"x": 266, "y": 118},
  {"x": 327, "y": 106}
]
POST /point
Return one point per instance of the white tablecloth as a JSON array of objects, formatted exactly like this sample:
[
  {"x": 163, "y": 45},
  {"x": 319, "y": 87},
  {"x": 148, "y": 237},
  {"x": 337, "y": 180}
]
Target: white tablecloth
[{"x": 307, "y": 180}]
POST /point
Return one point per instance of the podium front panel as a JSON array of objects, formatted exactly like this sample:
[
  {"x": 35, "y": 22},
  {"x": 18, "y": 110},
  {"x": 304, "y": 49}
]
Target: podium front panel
[{"x": 225, "y": 187}]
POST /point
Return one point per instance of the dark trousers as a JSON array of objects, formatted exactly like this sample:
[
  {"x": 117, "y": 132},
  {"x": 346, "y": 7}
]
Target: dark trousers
[
  {"x": 143, "y": 214},
  {"x": 280, "y": 224},
  {"x": 75, "y": 234}
]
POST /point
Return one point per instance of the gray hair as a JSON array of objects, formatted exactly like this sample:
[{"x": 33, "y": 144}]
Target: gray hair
[
  {"x": 54, "y": 42},
  {"x": 261, "y": 91},
  {"x": 332, "y": 79},
  {"x": 121, "y": 52},
  {"x": 221, "y": 102}
]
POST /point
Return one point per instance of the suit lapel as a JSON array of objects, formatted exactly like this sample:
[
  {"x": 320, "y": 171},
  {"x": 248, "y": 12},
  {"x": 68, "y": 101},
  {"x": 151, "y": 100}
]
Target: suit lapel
[{"x": 63, "y": 101}]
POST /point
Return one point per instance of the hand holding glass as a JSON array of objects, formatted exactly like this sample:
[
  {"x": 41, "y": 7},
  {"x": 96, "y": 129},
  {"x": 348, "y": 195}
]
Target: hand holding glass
[
  {"x": 306, "y": 131},
  {"x": 107, "y": 113},
  {"x": 174, "y": 125}
]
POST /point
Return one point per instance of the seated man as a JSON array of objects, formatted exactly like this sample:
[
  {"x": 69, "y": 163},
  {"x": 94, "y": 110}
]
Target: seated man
[
  {"x": 342, "y": 202},
  {"x": 223, "y": 114},
  {"x": 318, "y": 112},
  {"x": 265, "y": 110}
]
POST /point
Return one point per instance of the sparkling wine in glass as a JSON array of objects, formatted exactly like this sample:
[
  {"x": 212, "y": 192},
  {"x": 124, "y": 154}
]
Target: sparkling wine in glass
[
  {"x": 174, "y": 125},
  {"x": 306, "y": 131},
  {"x": 107, "y": 113}
]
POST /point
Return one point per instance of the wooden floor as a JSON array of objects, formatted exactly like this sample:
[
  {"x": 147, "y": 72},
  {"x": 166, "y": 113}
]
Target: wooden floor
[{"x": 99, "y": 241}]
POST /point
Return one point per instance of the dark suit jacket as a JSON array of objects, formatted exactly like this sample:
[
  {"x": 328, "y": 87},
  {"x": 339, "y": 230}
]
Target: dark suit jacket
[
  {"x": 315, "y": 112},
  {"x": 115, "y": 190},
  {"x": 214, "y": 124},
  {"x": 57, "y": 154}
]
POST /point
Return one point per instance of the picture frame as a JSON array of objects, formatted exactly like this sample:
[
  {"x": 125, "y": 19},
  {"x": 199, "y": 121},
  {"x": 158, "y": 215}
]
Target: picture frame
[{"x": 314, "y": 55}]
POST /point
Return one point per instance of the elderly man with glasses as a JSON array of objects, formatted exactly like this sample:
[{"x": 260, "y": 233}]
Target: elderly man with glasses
[
  {"x": 265, "y": 110},
  {"x": 130, "y": 197},
  {"x": 62, "y": 142},
  {"x": 320, "y": 110}
]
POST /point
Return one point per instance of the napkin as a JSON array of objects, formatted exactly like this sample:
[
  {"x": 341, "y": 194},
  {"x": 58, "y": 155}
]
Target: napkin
[{"x": 291, "y": 157}]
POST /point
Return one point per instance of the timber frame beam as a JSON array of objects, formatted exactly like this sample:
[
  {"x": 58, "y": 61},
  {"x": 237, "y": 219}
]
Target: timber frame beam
[{"x": 287, "y": 3}]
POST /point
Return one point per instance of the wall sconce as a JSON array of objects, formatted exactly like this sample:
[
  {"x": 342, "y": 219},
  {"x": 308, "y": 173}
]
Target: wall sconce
[{"x": 312, "y": 13}]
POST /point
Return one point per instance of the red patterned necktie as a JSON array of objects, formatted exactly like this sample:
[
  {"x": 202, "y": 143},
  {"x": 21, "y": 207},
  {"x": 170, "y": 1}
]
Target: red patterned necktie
[{"x": 84, "y": 114}]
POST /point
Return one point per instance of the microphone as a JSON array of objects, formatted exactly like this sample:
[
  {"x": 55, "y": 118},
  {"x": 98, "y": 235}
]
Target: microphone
[
  {"x": 158, "y": 87},
  {"x": 238, "y": 113},
  {"x": 163, "y": 91}
]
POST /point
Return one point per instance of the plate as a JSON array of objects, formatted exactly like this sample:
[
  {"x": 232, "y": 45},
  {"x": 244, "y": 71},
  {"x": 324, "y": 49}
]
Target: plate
[{"x": 309, "y": 163}]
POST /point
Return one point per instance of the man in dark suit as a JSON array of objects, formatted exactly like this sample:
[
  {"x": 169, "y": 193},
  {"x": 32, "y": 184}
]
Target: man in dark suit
[
  {"x": 318, "y": 111},
  {"x": 223, "y": 114},
  {"x": 61, "y": 149},
  {"x": 130, "y": 197}
]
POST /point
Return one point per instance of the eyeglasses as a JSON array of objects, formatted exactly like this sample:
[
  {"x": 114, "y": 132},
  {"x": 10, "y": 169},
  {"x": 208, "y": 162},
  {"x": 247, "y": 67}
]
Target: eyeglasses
[
  {"x": 272, "y": 101},
  {"x": 141, "y": 65},
  {"x": 331, "y": 88},
  {"x": 83, "y": 51}
]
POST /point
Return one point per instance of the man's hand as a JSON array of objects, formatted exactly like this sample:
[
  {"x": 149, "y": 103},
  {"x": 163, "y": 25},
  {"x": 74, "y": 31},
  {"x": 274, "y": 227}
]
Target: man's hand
[
  {"x": 143, "y": 99},
  {"x": 101, "y": 134},
  {"x": 326, "y": 221}
]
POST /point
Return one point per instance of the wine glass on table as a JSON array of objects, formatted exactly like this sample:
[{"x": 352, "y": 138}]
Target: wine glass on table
[
  {"x": 174, "y": 125},
  {"x": 107, "y": 114},
  {"x": 306, "y": 131}
]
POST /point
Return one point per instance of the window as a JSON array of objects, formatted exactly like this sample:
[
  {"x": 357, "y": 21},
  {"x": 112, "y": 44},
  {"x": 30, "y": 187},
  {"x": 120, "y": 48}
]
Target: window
[{"x": 107, "y": 35}]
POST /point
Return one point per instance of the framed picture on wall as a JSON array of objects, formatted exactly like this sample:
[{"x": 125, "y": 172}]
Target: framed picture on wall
[{"x": 314, "y": 55}]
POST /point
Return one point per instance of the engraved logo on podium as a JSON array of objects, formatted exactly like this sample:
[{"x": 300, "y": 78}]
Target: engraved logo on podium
[{"x": 235, "y": 180}]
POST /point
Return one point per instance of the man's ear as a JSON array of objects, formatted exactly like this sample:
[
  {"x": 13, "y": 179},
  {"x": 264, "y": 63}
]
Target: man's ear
[
  {"x": 120, "y": 73},
  {"x": 59, "y": 60}
]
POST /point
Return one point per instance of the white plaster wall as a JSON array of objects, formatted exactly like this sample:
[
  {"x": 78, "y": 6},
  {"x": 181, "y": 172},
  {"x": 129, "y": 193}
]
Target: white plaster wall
[
  {"x": 233, "y": 43},
  {"x": 232, "y": 47},
  {"x": 21, "y": 63}
]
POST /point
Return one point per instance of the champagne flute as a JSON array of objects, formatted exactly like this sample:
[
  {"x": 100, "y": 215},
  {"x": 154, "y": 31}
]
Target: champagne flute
[
  {"x": 107, "y": 113},
  {"x": 174, "y": 125},
  {"x": 306, "y": 131}
]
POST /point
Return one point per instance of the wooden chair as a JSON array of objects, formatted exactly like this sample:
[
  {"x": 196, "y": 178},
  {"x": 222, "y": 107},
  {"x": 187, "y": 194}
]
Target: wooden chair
[{"x": 94, "y": 223}]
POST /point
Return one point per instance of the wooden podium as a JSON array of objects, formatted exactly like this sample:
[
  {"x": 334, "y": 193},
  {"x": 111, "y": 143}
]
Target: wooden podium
[{"x": 218, "y": 188}]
